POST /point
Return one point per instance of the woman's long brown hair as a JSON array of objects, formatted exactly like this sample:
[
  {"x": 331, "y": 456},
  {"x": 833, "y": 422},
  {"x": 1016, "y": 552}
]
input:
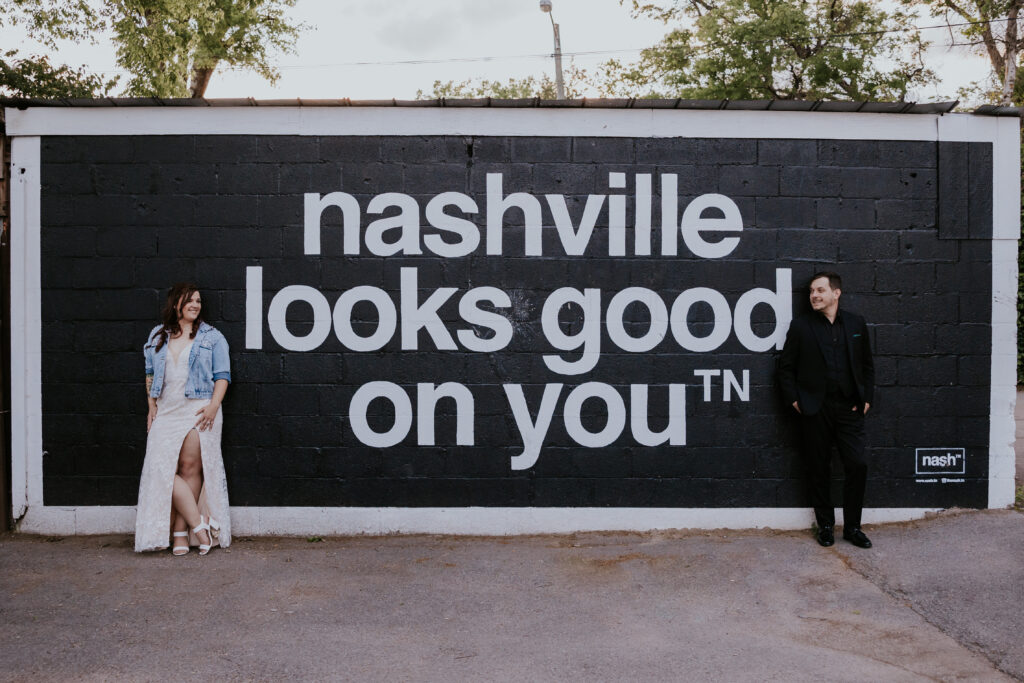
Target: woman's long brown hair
[{"x": 177, "y": 297}]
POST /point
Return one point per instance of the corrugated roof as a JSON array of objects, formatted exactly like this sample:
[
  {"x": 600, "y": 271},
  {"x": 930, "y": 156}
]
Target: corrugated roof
[
  {"x": 998, "y": 110},
  {"x": 531, "y": 102}
]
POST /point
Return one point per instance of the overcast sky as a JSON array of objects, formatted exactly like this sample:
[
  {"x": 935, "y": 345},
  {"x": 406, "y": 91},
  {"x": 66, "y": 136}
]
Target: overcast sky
[{"x": 494, "y": 39}]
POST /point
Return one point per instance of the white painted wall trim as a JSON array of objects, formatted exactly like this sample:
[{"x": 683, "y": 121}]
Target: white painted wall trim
[
  {"x": 1006, "y": 181},
  {"x": 1003, "y": 382},
  {"x": 26, "y": 348},
  {"x": 308, "y": 521},
  {"x": 493, "y": 121}
]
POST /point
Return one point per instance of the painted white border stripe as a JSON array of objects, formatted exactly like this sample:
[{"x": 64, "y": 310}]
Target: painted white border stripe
[
  {"x": 483, "y": 521},
  {"x": 26, "y": 349},
  {"x": 1003, "y": 379},
  {"x": 1006, "y": 181},
  {"x": 491, "y": 121}
]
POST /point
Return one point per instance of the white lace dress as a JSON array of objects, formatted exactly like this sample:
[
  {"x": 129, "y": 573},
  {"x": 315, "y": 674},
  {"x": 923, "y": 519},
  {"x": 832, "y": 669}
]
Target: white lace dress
[{"x": 175, "y": 416}]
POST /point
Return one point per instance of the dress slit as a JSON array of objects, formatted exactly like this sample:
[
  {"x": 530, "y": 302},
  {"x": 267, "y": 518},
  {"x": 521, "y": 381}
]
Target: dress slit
[{"x": 202, "y": 503}]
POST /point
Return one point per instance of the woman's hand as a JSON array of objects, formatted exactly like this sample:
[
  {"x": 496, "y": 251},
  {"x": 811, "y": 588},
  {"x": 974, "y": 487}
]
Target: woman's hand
[
  {"x": 206, "y": 415},
  {"x": 209, "y": 411},
  {"x": 151, "y": 416}
]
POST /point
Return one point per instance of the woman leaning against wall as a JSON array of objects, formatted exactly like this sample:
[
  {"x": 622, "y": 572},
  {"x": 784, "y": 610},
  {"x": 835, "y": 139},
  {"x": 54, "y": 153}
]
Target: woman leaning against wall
[{"x": 183, "y": 494}]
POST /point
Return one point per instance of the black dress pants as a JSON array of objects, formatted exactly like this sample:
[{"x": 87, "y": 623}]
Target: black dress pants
[{"x": 835, "y": 424}]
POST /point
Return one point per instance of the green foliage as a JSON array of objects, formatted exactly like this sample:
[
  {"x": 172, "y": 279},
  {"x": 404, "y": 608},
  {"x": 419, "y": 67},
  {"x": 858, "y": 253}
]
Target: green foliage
[
  {"x": 51, "y": 20},
  {"x": 989, "y": 91},
  {"x": 775, "y": 49},
  {"x": 171, "y": 47},
  {"x": 34, "y": 76},
  {"x": 513, "y": 89},
  {"x": 48, "y": 21},
  {"x": 975, "y": 93},
  {"x": 992, "y": 28}
]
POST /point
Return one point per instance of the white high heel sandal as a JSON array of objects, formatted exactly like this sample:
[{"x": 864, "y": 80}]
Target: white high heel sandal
[
  {"x": 205, "y": 526},
  {"x": 180, "y": 550}
]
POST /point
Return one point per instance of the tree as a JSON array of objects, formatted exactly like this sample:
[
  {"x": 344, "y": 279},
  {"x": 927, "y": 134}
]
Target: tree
[
  {"x": 172, "y": 47},
  {"x": 992, "y": 27},
  {"x": 514, "y": 88},
  {"x": 48, "y": 21},
  {"x": 775, "y": 49},
  {"x": 34, "y": 76}
]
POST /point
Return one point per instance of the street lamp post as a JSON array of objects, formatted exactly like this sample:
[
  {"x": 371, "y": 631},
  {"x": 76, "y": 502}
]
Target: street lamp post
[{"x": 545, "y": 6}]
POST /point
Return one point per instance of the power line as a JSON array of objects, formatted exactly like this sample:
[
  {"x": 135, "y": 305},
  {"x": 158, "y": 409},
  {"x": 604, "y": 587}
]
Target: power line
[
  {"x": 588, "y": 53},
  {"x": 491, "y": 58},
  {"x": 580, "y": 53}
]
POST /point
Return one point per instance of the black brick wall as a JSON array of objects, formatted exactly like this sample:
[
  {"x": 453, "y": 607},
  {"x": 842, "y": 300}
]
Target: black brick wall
[{"x": 906, "y": 223}]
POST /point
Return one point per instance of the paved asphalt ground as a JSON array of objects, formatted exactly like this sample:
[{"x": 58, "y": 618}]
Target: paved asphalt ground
[{"x": 937, "y": 599}]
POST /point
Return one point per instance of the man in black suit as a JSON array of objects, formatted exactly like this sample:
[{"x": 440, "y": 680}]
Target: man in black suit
[{"x": 827, "y": 374}]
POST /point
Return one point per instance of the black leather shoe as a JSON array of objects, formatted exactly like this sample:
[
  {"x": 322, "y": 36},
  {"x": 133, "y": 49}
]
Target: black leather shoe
[
  {"x": 856, "y": 537},
  {"x": 826, "y": 536}
]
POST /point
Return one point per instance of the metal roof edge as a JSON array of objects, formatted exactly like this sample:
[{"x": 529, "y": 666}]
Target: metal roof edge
[
  {"x": 534, "y": 102},
  {"x": 998, "y": 110}
]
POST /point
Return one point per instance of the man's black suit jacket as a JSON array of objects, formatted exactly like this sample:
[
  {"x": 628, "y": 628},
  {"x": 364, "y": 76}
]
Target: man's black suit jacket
[{"x": 802, "y": 364}]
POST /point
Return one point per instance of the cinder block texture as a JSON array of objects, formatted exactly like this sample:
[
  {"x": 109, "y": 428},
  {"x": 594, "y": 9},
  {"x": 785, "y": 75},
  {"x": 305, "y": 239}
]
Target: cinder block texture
[
  {"x": 905, "y": 223},
  {"x": 965, "y": 190}
]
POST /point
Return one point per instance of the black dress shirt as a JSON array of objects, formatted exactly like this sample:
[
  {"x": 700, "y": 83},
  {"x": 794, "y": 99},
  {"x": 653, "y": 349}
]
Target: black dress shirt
[{"x": 838, "y": 375}]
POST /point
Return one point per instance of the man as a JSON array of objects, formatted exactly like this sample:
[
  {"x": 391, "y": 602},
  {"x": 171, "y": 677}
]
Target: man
[{"x": 827, "y": 374}]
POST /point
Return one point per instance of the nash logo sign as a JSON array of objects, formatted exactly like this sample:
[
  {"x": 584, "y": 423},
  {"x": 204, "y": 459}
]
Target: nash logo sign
[{"x": 940, "y": 461}]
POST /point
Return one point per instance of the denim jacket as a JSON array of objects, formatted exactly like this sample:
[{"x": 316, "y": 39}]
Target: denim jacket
[{"x": 207, "y": 362}]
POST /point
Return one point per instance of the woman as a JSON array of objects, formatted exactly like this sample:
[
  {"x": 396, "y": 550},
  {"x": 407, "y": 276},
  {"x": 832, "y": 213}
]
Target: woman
[{"x": 183, "y": 488}]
